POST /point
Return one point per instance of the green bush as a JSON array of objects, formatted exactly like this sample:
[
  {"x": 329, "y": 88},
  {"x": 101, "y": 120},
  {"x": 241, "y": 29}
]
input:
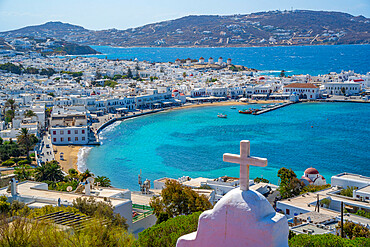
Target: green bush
[
  {"x": 24, "y": 162},
  {"x": 314, "y": 188},
  {"x": 326, "y": 240},
  {"x": 363, "y": 213},
  {"x": 166, "y": 233},
  {"x": 9, "y": 162},
  {"x": 347, "y": 191}
]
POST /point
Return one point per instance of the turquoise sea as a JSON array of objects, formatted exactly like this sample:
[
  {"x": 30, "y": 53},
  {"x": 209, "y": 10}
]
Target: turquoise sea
[
  {"x": 311, "y": 60},
  {"x": 332, "y": 137}
]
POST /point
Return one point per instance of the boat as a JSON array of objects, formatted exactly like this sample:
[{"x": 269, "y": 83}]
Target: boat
[
  {"x": 220, "y": 115},
  {"x": 249, "y": 111},
  {"x": 233, "y": 107},
  {"x": 245, "y": 111}
]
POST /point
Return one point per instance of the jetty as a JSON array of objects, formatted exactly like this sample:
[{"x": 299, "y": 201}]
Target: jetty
[{"x": 274, "y": 108}]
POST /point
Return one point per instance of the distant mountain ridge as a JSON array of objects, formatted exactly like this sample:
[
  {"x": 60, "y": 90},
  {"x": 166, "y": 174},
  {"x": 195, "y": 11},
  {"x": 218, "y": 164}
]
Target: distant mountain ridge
[{"x": 299, "y": 27}]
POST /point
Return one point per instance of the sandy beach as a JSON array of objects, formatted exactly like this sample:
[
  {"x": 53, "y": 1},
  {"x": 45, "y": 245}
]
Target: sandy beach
[
  {"x": 226, "y": 103},
  {"x": 70, "y": 155}
]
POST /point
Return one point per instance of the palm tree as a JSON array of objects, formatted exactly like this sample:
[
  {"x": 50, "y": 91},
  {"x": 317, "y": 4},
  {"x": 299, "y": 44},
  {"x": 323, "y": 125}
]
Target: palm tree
[
  {"x": 23, "y": 172},
  {"x": 49, "y": 171},
  {"x": 86, "y": 174},
  {"x": 11, "y": 104},
  {"x": 30, "y": 113},
  {"x": 25, "y": 139}
]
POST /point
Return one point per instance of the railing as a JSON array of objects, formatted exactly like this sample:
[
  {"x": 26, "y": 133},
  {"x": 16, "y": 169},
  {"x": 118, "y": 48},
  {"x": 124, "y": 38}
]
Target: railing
[
  {"x": 143, "y": 215},
  {"x": 143, "y": 207}
]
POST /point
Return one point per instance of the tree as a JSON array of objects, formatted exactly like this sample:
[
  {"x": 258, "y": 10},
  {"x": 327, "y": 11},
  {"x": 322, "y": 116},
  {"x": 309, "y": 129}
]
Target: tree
[
  {"x": 184, "y": 75},
  {"x": 23, "y": 172},
  {"x": 99, "y": 209},
  {"x": 104, "y": 181},
  {"x": 353, "y": 230},
  {"x": 73, "y": 173},
  {"x": 86, "y": 174},
  {"x": 26, "y": 140},
  {"x": 166, "y": 233},
  {"x": 289, "y": 184},
  {"x": 29, "y": 113},
  {"x": 49, "y": 171},
  {"x": 129, "y": 73},
  {"x": 261, "y": 180},
  {"x": 177, "y": 199},
  {"x": 282, "y": 73},
  {"x": 10, "y": 103}
]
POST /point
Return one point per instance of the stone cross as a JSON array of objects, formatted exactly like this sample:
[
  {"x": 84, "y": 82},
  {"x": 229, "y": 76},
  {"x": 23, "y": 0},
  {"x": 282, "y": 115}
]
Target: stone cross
[{"x": 245, "y": 160}]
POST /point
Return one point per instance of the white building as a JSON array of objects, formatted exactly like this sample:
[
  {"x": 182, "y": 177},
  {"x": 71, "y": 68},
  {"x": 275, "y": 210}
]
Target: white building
[
  {"x": 69, "y": 135},
  {"x": 303, "y": 90},
  {"x": 342, "y": 88},
  {"x": 69, "y": 127}
]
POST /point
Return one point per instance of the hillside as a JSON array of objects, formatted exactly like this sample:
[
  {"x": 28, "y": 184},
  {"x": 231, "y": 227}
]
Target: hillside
[{"x": 271, "y": 28}]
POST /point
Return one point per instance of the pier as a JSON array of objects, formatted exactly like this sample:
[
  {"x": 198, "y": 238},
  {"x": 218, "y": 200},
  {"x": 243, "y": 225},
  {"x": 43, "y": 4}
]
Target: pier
[{"x": 274, "y": 108}]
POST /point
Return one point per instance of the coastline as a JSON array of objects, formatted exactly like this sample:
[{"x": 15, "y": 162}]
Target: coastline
[{"x": 75, "y": 156}]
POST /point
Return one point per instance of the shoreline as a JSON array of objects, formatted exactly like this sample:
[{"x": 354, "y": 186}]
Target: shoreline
[{"x": 75, "y": 156}]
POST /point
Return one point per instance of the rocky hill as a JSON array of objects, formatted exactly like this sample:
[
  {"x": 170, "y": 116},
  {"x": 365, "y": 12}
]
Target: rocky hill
[{"x": 299, "y": 27}]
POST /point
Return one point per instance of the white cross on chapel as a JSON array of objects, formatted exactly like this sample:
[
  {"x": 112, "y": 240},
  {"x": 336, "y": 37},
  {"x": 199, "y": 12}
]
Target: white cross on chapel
[{"x": 245, "y": 160}]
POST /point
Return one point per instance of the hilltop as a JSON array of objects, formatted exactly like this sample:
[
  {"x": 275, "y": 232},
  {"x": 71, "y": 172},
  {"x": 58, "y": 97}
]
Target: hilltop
[{"x": 271, "y": 28}]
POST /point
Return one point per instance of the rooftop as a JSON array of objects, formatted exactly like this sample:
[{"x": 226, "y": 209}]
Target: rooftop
[
  {"x": 29, "y": 189},
  {"x": 301, "y": 85}
]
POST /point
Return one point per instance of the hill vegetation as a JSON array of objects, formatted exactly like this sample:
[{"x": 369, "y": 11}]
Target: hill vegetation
[{"x": 298, "y": 27}]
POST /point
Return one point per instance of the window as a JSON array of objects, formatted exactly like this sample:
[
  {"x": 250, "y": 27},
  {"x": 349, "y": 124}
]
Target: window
[
  {"x": 83, "y": 138},
  {"x": 61, "y": 139},
  {"x": 76, "y": 132},
  {"x": 358, "y": 196},
  {"x": 367, "y": 198},
  {"x": 54, "y": 132},
  {"x": 62, "y": 132},
  {"x": 83, "y": 131},
  {"x": 287, "y": 211},
  {"x": 69, "y": 132},
  {"x": 76, "y": 138},
  {"x": 69, "y": 139},
  {"x": 54, "y": 139}
]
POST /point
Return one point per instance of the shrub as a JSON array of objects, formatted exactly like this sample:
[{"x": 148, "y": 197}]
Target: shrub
[
  {"x": 261, "y": 180},
  {"x": 177, "y": 199},
  {"x": 314, "y": 188},
  {"x": 167, "y": 233},
  {"x": 347, "y": 191},
  {"x": 24, "y": 162},
  {"x": 363, "y": 213},
  {"x": 9, "y": 162},
  {"x": 93, "y": 208},
  {"x": 326, "y": 240}
]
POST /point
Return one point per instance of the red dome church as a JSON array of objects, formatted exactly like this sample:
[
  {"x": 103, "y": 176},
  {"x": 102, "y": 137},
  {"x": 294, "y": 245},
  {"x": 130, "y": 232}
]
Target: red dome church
[{"x": 312, "y": 176}]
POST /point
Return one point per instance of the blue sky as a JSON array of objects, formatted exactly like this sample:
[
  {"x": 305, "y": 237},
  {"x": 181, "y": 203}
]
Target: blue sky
[{"x": 122, "y": 14}]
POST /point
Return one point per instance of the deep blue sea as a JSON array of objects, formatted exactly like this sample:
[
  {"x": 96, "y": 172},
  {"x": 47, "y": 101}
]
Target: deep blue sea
[
  {"x": 311, "y": 60},
  {"x": 332, "y": 137}
]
